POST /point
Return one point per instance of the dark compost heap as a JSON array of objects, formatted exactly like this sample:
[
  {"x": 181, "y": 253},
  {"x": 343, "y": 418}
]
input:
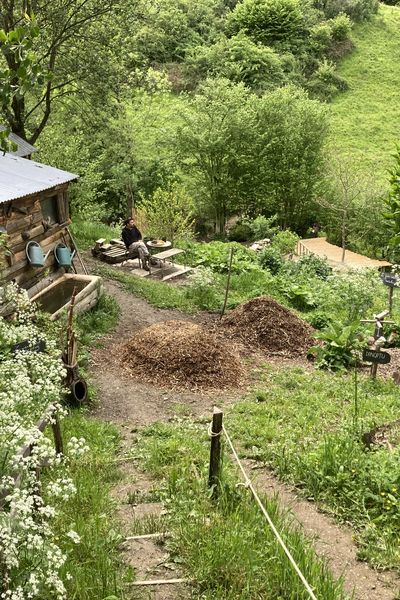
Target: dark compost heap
[{"x": 262, "y": 323}]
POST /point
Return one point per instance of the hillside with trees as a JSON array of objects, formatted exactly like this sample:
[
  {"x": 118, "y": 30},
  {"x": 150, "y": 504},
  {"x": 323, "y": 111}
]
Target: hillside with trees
[{"x": 230, "y": 130}]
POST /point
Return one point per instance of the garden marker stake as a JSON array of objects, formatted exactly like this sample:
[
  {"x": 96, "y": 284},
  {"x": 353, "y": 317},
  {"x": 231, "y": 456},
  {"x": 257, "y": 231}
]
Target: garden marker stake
[
  {"x": 215, "y": 432},
  {"x": 227, "y": 283}
]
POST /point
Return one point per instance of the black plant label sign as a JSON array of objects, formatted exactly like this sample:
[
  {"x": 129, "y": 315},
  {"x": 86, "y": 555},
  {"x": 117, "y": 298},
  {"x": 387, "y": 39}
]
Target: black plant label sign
[
  {"x": 376, "y": 356},
  {"x": 29, "y": 345},
  {"x": 390, "y": 279}
]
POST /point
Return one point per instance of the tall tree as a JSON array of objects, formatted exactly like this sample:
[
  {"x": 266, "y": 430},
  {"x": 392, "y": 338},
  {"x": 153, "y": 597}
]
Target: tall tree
[
  {"x": 72, "y": 47},
  {"x": 216, "y": 146}
]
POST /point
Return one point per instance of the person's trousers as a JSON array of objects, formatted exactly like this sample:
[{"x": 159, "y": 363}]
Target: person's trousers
[{"x": 142, "y": 250}]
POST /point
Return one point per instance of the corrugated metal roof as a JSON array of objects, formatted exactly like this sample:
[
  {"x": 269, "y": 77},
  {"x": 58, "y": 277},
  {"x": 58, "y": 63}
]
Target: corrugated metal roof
[
  {"x": 21, "y": 177},
  {"x": 24, "y": 149}
]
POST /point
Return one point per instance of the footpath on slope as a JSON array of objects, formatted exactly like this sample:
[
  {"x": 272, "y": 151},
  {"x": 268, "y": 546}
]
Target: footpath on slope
[{"x": 131, "y": 404}]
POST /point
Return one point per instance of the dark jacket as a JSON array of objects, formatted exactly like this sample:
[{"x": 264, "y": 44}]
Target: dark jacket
[{"x": 130, "y": 236}]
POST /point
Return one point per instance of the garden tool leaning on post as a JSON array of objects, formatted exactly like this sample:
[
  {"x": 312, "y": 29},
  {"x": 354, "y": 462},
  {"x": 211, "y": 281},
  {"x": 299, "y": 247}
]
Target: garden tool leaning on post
[{"x": 76, "y": 384}]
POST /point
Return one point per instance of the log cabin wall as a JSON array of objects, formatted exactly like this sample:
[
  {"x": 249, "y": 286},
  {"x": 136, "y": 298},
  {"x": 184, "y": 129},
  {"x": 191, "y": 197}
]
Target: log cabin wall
[{"x": 41, "y": 217}]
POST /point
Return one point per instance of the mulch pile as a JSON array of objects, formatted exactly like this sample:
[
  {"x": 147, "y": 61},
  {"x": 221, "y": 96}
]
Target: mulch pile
[
  {"x": 264, "y": 324},
  {"x": 182, "y": 354}
]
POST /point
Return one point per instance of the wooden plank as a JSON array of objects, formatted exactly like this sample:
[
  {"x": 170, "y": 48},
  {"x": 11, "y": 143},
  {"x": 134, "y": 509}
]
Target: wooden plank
[
  {"x": 168, "y": 253},
  {"x": 177, "y": 273},
  {"x": 160, "y": 581}
]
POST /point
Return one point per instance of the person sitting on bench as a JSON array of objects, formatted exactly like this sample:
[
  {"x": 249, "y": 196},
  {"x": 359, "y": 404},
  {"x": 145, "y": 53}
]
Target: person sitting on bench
[{"x": 132, "y": 239}]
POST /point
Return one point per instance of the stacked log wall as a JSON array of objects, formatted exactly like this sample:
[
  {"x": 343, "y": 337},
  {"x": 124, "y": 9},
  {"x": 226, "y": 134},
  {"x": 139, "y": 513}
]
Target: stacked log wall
[{"x": 24, "y": 222}]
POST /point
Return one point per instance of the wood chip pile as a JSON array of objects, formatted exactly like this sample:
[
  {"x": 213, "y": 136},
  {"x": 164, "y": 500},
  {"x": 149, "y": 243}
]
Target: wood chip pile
[
  {"x": 182, "y": 354},
  {"x": 264, "y": 324}
]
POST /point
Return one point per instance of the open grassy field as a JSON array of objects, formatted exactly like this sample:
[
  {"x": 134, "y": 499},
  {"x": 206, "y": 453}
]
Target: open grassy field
[{"x": 365, "y": 119}]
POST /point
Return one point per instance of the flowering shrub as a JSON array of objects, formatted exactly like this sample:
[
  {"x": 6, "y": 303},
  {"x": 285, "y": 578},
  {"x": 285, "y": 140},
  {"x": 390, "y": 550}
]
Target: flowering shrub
[{"x": 30, "y": 387}]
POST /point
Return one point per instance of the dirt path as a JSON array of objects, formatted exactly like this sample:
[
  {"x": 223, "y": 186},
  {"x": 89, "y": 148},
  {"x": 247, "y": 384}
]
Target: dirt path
[
  {"x": 330, "y": 541},
  {"x": 132, "y": 405},
  {"x": 128, "y": 402}
]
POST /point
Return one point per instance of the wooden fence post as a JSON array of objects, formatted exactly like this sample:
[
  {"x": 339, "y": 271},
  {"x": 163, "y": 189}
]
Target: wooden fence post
[
  {"x": 58, "y": 441},
  {"x": 215, "y": 452},
  {"x": 227, "y": 284}
]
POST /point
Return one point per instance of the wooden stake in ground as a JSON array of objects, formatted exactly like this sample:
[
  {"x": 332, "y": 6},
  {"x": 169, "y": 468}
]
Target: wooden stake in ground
[
  {"x": 227, "y": 283},
  {"x": 215, "y": 452}
]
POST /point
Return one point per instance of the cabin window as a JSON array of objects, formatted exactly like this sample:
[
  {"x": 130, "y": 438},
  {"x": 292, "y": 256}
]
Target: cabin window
[{"x": 50, "y": 209}]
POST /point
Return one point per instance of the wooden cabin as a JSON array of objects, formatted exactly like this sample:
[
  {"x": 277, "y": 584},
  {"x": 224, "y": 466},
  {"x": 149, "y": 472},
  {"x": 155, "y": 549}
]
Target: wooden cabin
[{"x": 33, "y": 206}]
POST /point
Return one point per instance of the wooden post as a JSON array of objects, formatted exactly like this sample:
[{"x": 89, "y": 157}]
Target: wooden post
[
  {"x": 58, "y": 441},
  {"x": 215, "y": 452},
  {"x": 227, "y": 284},
  {"x": 390, "y": 300}
]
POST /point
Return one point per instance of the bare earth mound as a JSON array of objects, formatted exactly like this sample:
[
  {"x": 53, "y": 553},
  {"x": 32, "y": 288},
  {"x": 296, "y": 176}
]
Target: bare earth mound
[
  {"x": 263, "y": 323},
  {"x": 182, "y": 354}
]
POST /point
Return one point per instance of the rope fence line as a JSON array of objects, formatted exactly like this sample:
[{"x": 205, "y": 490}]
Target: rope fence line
[{"x": 214, "y": 433}]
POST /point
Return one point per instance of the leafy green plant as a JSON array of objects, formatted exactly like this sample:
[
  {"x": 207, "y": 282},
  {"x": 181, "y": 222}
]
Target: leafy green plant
[
  {"x": 285, "y": 241},
  {"x": 299, "y": 296},
  {"x": 318, "y": 320},
  {"x": 215, "y": 255},
  {"x": 312, "y": 264},
  {"x": 270, "y": 258},
  {"x": 339, "y": 346},
  {"x": 263, "y": 227}
]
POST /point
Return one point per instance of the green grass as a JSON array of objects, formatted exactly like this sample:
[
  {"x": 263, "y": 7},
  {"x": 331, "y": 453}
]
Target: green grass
[
  {"x": 95, "y": 564},
  {"x": 365, "y": 118},
  {"x": 226, "y": 546},
  {"x": 87, "y": 232},
  {"x": 303, "y": 424}
]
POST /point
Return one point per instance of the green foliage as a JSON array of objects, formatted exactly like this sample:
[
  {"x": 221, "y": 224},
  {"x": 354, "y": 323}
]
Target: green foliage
[
  {"x": 294, "y": 130},
  {"x": 312, "y": 264},
  {"x": 204, "y": 289},
  {"x": 362, "y": 118},
  {"x": 285, "y": 241},
  {"x": 357, "y": 10},
  {"x": 299, "y": 296},
  {"x": 20, "y": 72},
  {"x": 392, "y": 215},
  {"x": 318, "y": 320},
  {"x": 86, "y": 232},
  {"x": 305, "y": 433},
  {"x": 168, "y": 213},
  {"x": 263, "y": 227},
  {"x": 239, "y": 59},
  {"x": 241, "y": 232},
  {"x": 340, "y": 26},
  {"x": 216, "y": 145},
  {"x": 339, "y": 346},
  {"x": 271, "y": 258},
  {"x": 215, "y": 255},
  {"x": 270, "y": 21},
  {"x": 325, "y": 83},
  {"x": 95, "y": 563}
]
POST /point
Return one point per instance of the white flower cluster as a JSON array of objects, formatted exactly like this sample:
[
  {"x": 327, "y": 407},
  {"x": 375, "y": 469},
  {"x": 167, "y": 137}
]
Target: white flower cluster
[
  {"x": 77, "y": 447},
  {"x": 30, "y": 387}
]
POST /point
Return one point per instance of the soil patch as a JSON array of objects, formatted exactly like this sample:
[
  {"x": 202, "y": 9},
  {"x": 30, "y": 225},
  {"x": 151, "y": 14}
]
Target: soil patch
[
  {"x": 182, "y": 354},
  {"x": 265, "y": 324}
]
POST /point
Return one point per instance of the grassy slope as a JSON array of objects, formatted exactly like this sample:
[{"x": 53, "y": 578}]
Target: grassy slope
[{"x": 365, "y": 119}]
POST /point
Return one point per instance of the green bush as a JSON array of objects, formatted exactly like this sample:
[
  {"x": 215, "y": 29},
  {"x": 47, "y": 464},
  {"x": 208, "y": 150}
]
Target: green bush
[
  {"x": 270, "y": 21},
  {"x": 318, "y": 320},
  {"x": 215, "y": 255},
  {"x": 239, "y": 59},
  {"x": 263, "y": 227},
  {"x": 321, "y": 38},
  {"x": 299, "y": 295},
  {"x": 270, "y": 258},
  {"x": 340, "y": 27},
  {"x": 314, "y": 265},
  {"x": 357, "y": 10},
  {"x": 325, "y": 83},
  {"x": 285, "y": 241},
  {"x": 241, "y": 232}
]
